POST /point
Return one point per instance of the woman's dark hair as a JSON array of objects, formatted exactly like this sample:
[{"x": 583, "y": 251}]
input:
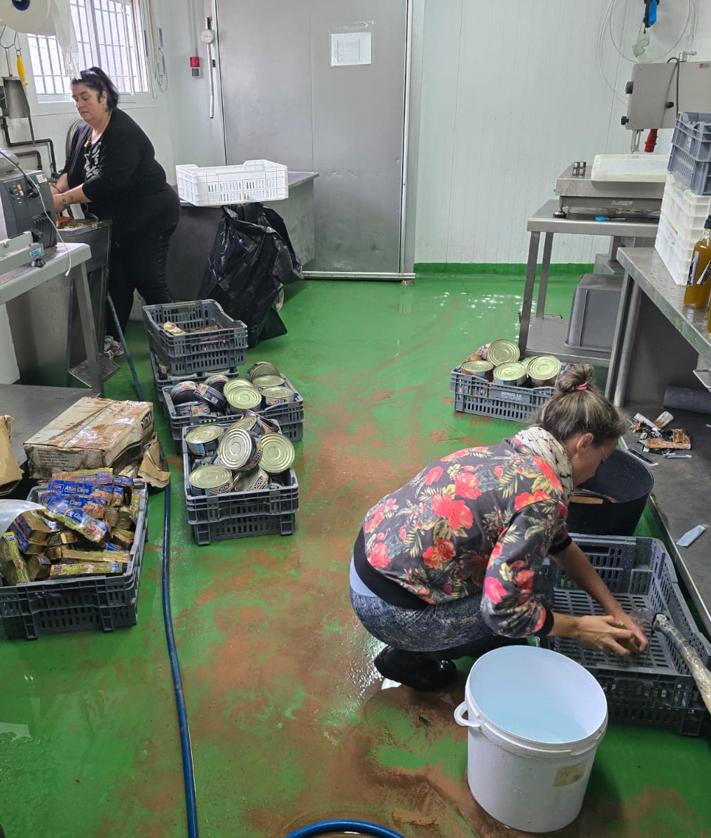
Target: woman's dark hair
[
  {"x": 578, "y": 407},
  {"x": 96, "y": 79}
]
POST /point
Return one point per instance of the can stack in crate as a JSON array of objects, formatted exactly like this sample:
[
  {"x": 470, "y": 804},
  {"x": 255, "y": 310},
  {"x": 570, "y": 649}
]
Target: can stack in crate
[
  {"x": 195, "y": 337},
  {"x": 687, "y": 194},
  {"x": 288, "y": 410},
  {"x": 655, "y": 688},
  {"x": 63, "y": 605},
  {"x": 493, "y": 382},
  {"x": 270, "y": 510}
]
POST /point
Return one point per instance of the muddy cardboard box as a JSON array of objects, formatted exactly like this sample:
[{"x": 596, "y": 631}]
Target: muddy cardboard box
[{"x": 90, "y": 434}]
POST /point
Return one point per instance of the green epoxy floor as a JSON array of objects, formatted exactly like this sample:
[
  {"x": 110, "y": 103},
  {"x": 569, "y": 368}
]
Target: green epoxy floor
[{"x": 288, "y": 720}]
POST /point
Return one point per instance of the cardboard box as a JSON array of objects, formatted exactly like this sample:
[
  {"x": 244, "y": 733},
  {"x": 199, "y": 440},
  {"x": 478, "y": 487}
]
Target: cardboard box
[
  {"x": 10, "y": 473},
  {"x": 90, "y": 434}
]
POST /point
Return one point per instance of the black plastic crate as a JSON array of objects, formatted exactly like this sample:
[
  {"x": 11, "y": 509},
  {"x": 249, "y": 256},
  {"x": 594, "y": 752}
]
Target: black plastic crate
[
  {"x": 246, "y": 527},
  {"x": 67, "y": 605},
  {"x": 223, "y": 348},
  {"x": 208, "y": 509},
  {"x": 289, "y": 416},
  {"x": 656, "y": 688},
  {"x": 474, "y": 394},
  {"x": 160, "y": 381}
]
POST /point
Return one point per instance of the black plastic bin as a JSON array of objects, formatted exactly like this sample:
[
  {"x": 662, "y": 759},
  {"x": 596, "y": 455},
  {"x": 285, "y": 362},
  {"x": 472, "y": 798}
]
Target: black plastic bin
[{"x": 627, "y": 480}]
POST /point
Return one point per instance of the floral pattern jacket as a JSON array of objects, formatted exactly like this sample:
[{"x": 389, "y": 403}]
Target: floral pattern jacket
[{"x": 480, "y": 520}]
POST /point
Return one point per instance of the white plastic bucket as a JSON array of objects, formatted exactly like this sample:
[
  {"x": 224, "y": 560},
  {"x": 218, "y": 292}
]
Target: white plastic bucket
[{"x": 535, "y": 720}]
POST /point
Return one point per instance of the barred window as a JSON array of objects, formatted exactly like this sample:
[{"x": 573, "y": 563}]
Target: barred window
[{"x": 108, "y": 34}]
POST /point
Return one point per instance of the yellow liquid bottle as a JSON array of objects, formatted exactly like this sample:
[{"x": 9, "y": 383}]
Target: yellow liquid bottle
[{"x": 698, "y": 286}]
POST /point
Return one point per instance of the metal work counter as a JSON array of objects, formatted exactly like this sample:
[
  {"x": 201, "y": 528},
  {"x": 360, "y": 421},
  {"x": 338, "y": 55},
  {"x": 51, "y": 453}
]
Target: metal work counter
[
  {"x": 660, "y": 342},
  {"x": 541, "y": 335}
]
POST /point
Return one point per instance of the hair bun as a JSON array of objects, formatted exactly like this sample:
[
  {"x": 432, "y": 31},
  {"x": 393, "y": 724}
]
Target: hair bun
[{"x": 575, "y": 377}]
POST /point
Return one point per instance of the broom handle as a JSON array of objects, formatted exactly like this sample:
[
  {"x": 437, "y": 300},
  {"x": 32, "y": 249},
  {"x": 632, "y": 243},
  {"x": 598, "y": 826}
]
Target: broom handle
[{"x": 699, "y": 672}]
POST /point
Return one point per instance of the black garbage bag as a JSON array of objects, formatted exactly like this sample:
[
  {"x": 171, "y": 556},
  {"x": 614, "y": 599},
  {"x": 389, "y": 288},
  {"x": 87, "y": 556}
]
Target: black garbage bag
[{"x": 250, "y": 262}]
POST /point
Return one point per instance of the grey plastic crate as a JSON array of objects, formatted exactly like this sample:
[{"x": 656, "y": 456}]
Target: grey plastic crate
[
  {"x": 656, "y": 688},
  {"x": 160, "y": 381},
  {"x": 473, "y": 394},
  {"x": 67, "y": 605},
  {"x": 692, "y": 134},
  {"x": 247, "y": 527},
  {"x": 289, "y": 417},
  {"x": 205, "y": 509},
  {"x": 222, "y": 348}
]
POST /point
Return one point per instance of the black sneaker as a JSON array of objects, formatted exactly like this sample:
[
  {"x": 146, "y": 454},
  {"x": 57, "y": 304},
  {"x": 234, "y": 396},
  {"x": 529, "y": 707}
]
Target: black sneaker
[{"x": 415, "y": 670}]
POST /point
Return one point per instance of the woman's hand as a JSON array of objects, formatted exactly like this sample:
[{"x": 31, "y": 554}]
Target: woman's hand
[
  {"x": 604, "y": 635},
  {"x": 624, "y": 620}
]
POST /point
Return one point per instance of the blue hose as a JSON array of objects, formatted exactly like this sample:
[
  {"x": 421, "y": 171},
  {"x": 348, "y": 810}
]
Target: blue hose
[
  {"x": 359, "y": 827},
  {"x": 122, "y": 340},
  {"x": 185, "y": 746}
]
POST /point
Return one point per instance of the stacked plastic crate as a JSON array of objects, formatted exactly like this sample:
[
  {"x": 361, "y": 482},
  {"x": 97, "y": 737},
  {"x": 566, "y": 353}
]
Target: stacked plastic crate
[{"x": 687, "y": 194}]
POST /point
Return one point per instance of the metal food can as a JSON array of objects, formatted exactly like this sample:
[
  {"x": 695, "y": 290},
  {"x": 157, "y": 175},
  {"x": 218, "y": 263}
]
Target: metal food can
[
  {"x": 198, "y": 409},
  {"x": 482, "y": 369},
  {"x": 503, "y": 352},
  {"x": 514, "y": 373},
  {"x": 278, "y": 395},
  {"x": 262, "y": 382},
  {"x": 277, "y": 453},
  {"x": 185, "y": 408},
  {"x": 217, "y": 381},
  {"x": 261, "y": 368},
  {"x": 238, "y": 450},
  {"x": 204, "y": 439},
  {"x": 544, "y": 370},
  {"x": 211, "y": 396},
  {"x": 252, "y": 481},
  {"x": 184, "y": 391},
  {"x": 244, "y": 398},
  {"x": 210, "y": 480},
  {"x": 248, "y": 421}
]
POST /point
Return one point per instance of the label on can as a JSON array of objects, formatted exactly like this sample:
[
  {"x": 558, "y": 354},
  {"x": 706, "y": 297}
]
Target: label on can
[
  {"x": 278, "y": 395},
  {"x": 211, "y": 396},
  {"x": 204, "y": 439},
  {"x": 183, "y": 392}
]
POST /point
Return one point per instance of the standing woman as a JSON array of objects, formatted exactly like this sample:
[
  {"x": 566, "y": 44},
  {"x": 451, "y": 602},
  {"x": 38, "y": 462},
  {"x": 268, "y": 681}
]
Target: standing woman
[{"x": 112, "y": 171}]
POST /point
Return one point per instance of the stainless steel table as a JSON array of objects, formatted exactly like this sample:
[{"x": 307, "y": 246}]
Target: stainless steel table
[
  {"x": 539, "y": 335},
  {"x": 658, "y": 341},
  {"x": 65, "y": 257}
]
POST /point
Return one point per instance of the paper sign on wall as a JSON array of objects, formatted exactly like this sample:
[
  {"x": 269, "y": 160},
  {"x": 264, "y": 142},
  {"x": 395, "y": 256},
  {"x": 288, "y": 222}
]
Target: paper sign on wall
[{"x": 351, "y": 48}]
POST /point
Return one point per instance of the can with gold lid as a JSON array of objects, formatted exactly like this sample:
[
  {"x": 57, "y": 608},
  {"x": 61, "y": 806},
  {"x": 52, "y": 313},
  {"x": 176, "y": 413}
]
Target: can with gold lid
[
  {"x": 243, "y": 398},
  {"x": 276, "y": 453},
  {"x": 278, "y": 395},
  {"x": 252, "y": 481},
  {"x": 480, "y": 368},
  {"x": 264, "y": 381},
  {"x": 210, "y": 480},
  {"x": 261, "y": 368},
  {"x": 503, "y": 352},
  {"x": 204, "y": 439},
  {"x": 513, "y": 373},
  {"x": 235, "y": 384},
  {"x": 238, "y": 450},
  {"x": 543, "y": 370}
]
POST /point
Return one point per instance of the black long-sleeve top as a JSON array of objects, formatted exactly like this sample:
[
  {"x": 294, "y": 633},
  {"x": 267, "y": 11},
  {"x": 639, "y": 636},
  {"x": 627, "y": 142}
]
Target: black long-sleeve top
[{"x": 122, "y": 179}]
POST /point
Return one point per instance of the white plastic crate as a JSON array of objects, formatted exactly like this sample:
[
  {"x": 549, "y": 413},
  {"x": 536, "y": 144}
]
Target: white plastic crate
[
  {"x": 649, "y": 168},
  {"x": 684, "y": 209},
  {"x": 216, "y": 186},
  {"x": 674, "y": 251}
]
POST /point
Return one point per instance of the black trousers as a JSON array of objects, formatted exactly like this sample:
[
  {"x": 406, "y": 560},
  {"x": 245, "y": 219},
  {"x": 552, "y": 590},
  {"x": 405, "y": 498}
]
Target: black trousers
[{"x": 137, "y": 263}]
